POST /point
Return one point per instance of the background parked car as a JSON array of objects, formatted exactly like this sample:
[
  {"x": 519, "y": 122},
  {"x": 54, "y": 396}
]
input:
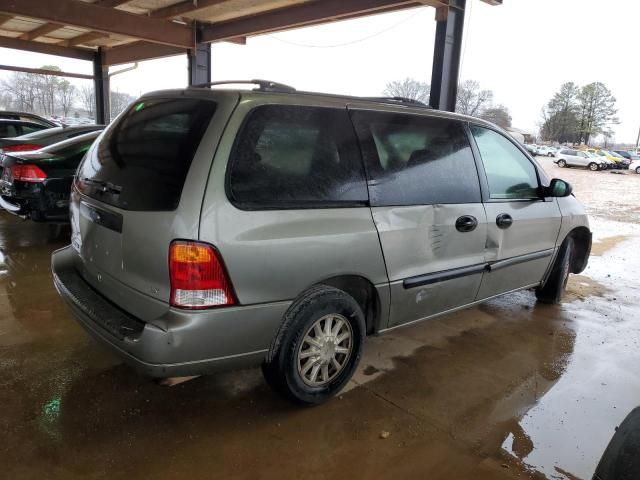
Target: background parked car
[
  {"x": 532, "y": 149},
  {"x": 624, "y": 160},
  {"x": 576, "y": 158},
  {"x": 624, "y": 154},
  {"x": 42, "y": 138},
  {"x": 546, "y": 151},
  {"x": 37, "y": 184},
  {"x": 28, "y": 117},
  {"x": 605, "y": 163},
  {"x": 617, "y": 161},
  {"x": 13, "y": 128},
  {"x": 635, "y": 165}
]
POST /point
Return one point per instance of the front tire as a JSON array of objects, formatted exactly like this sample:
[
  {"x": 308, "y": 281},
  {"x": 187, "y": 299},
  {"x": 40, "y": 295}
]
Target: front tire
[
  {"x": 638, "y": 170},
  {"x": 556, "y": 283},
  {"x": 593, "y": 166},
  {"x": 562, "y": 163},
  {"x": 318, "y": 346}
]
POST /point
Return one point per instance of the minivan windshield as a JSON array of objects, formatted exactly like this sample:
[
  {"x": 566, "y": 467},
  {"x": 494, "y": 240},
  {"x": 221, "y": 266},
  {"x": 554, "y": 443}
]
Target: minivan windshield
[{"x": 141, "y": 162}]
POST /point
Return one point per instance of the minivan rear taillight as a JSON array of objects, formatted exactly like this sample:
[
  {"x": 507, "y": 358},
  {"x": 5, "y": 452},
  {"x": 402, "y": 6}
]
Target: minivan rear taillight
[
  {"x": 27, "y": 173},
  {"x": 198, "y": 277}
]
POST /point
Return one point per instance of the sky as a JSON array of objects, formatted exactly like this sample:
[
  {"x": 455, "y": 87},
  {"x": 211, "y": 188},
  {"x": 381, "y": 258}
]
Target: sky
[{"x": 523, "y": 50}]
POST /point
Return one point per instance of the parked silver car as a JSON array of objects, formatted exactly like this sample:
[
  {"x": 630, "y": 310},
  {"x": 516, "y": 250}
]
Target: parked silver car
[
  {"x": 576, "y": 158},
  {"x": 216, "y": 229}
]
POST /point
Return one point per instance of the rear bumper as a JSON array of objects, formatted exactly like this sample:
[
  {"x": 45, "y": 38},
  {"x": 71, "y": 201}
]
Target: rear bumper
[
  {"x": 46, "y": 202},
  {"x": 10, "y": 206},
  {"x": 180, "y": 343}
]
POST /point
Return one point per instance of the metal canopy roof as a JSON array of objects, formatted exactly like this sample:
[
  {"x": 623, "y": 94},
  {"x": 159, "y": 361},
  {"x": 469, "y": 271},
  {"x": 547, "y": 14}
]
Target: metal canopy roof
[{"x": 131, "y": 30}]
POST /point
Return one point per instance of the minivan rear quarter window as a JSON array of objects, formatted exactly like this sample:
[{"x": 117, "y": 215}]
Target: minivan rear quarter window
[
  {"x": 288, "y": 157},
  {"x": 142, "y": 161}
]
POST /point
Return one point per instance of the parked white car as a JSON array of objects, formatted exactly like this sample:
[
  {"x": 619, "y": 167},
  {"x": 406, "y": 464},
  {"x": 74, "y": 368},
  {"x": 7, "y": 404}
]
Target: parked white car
[
  {"x": 635, "y": 165},
  {"x": 575, "y": 158},
  {"x": 545, "y": 151}
]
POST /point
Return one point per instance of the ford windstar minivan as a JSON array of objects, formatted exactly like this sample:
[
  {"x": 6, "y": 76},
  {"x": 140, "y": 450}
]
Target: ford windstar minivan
[{"x": 227, "y": 228}]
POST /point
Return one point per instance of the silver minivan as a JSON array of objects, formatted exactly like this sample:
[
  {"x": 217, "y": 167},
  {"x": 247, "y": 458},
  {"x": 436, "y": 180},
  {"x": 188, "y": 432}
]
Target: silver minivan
[{"x": 216, "y": 229}]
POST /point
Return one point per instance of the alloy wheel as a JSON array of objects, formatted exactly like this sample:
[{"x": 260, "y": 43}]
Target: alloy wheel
[{"x": 325, "y": 350}]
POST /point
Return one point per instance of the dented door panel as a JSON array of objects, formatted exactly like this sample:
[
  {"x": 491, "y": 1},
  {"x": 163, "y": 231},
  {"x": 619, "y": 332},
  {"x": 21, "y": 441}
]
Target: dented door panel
[{"x": 418, "y": 241}]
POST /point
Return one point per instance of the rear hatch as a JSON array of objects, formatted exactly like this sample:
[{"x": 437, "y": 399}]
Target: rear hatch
[{"x": 141, "y": 186}]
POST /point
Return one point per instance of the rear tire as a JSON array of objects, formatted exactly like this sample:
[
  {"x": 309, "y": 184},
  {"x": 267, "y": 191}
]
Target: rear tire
[
  {"x": 549, "y": 154},
  {"x": 318, "y": 346},
  {"x": 593, "y": 166},
  {"x": 556, "y": 283},
  {"x": 638, "y": 170},
  {"x": 562, "y": 163}
]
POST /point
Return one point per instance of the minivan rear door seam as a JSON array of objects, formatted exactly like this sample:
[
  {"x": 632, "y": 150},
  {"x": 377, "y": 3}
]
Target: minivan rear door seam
[{"x": 213, "y": 157}]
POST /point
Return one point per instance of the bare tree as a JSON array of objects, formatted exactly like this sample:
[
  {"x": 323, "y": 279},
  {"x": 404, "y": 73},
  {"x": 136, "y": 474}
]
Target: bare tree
[
  {"x": 408, "y": 88},
  {"x": 119, "y": 101},
  {"x": 498, "y": 114},
  {"x": 21, "y": 90},
  {"x": 47, "y": 87},
  {"x": 66, "y": 94},
  {"x": 87, "y": 99},
  {"x": 471, "y": 99}
]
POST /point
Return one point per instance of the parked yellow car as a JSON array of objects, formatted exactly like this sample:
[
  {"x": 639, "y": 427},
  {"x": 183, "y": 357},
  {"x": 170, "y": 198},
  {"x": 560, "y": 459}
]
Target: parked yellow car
[{"x": 603, "y": 153}]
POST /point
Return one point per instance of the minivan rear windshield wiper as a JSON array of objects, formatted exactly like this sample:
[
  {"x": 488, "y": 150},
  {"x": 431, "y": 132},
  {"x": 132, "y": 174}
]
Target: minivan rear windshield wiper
[{"x": 104, "y": 186}]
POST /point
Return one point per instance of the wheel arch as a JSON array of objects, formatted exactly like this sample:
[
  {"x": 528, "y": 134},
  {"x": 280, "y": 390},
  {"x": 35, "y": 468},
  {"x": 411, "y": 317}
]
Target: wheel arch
[
  {"x": 581, "y": 237},
  {"x": 363, "y": 292}
]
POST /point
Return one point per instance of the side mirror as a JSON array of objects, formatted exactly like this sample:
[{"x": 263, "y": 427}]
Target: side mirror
[{"x": 558, "y": 188}]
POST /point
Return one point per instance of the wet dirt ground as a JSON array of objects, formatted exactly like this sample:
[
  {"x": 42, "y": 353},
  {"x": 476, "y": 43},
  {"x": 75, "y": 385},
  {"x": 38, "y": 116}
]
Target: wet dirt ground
[{"x": 510, "y": 389}]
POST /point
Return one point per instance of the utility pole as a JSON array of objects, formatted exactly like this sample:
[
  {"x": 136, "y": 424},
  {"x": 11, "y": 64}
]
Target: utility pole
[{"x": 638, "y": 140}]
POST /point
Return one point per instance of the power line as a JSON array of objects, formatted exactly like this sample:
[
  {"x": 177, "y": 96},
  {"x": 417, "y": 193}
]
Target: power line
[
  {"x": 352, "y": 42},
  {"x": 464, "y": 46}
]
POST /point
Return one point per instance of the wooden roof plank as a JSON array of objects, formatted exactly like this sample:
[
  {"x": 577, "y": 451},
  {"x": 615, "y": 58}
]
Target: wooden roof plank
[
  {"x": 48, "y": 48},
  {"x": 4, "y": 18},
  {"x": 184, "y": 7},
  {"x": 137, "y": 51},
  {"x": 302, "y": 15},
  {"x": 41, "y": 31},
  {"x": 83, "y": 39},
  {"x": 102, "y": 19}
]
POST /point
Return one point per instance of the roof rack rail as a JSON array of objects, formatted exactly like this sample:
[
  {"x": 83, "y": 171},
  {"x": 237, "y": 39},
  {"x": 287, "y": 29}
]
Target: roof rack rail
[
  {"x": 263, "y": 85},
  {"x": 401, "y": 100}
]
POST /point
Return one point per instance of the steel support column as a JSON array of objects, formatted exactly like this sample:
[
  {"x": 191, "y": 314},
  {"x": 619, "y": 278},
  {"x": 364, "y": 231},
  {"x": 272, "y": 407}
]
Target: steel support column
[
  {"x": 101, "y": 88},
  {"x": 446, "y": 55},
  {"x": 200, "y": 64}
]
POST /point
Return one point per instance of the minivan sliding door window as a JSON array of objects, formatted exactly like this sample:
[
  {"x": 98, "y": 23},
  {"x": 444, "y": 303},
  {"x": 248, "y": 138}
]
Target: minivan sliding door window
[{"x": 292, "y": 157}]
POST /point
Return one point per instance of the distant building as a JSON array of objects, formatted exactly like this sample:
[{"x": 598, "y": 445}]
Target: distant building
[{"x": 521, "y": 136}]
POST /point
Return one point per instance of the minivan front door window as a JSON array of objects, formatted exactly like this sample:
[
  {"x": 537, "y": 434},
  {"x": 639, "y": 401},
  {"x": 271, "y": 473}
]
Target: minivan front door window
[{"x": 510, "y": 174}]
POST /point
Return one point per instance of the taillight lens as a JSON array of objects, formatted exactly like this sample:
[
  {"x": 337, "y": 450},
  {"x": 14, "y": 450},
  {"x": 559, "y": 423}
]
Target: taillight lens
[
  {"x": 27, "y": 173},
  {"x": 24, "y": 147},
  {"x": 198, "y": 276}
]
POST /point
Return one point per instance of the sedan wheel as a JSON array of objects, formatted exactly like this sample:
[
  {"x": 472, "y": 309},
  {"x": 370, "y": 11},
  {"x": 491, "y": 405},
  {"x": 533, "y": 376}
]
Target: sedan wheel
[
  {"x": 593, "y": 166},
  {"x": 562, "y": 163},
  {"x": 638, "y": 170}
]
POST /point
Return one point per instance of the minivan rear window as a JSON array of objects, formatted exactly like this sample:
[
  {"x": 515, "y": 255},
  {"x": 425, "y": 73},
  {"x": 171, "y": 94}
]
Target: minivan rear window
[{"x": 141, "y": 162}]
